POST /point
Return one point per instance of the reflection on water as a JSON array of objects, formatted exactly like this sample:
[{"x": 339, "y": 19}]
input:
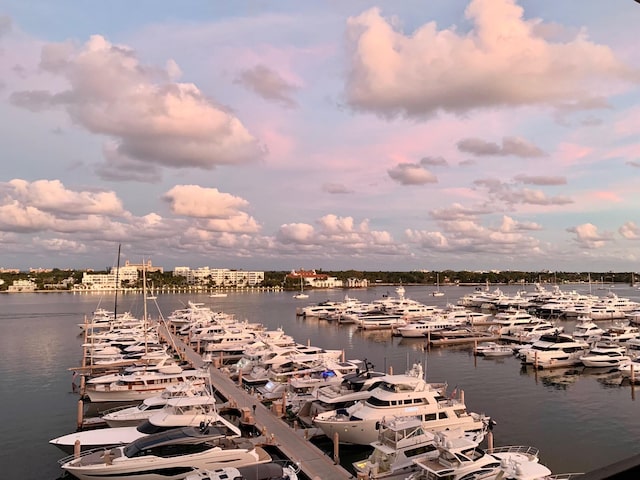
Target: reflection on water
[{"x": 552, "y": 410}]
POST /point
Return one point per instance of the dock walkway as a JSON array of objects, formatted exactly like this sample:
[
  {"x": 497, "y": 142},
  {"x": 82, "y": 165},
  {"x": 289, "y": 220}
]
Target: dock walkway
[{"x": 314, "y": 463}]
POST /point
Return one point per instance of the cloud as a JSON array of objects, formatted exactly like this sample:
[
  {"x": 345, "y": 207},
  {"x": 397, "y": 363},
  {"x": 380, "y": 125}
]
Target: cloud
[
  {"x": 53, "y": 196},
  {"x": 411, "y": 174},
  {"x": 458, "y": 211},
  {"x": 466, "y": 237},
  {"x": 219, "y": 211},
  {"x": 587, "y": 236},
  {"x": 540, "y": 180},
  {"x": 634, "y": 163},
  {"x": 6, "y": 25},
  {"x": 150, "y": 119},
  {"x": 335, "y": 235},
  {"x": 433, "y": 161},
  {"x": 501, "y": 61},
  {"x": 268, "y": 83},
  {"x": 501, "y": 191},
  {"x": 515, "y": 146},
  {"x": 630, "y": 231},
  {"x": 336, "y": 188}
]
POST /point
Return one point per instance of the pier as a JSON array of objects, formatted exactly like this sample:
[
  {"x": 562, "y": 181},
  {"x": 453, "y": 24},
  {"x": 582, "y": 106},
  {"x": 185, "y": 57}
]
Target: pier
[{"x": 293, "y": 443}]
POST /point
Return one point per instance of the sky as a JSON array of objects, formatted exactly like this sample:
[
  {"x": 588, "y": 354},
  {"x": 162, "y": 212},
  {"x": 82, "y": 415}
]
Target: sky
[{"x": 370, "y": 135}]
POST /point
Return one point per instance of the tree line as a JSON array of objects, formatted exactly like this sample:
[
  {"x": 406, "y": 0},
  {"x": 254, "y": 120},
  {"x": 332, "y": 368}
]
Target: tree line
[{"x": 55, "y": 278}]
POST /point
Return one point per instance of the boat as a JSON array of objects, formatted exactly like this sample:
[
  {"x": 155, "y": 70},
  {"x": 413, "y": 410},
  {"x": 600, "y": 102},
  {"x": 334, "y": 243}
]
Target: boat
[
  {"x": 437, "y": 292},
  {"x": 422, "y": 328},
  {"x": 458, "y": 462},
  {"x": 620, "y": 334},
  {"x": 218, "y": 295},
  {"x": 169, "y": 455},
  {"x": 493, "y": 349},
  {"x": 552, "y": 351},
  {"x": 178, "y": 412},
  {"x": 301, "y": 294},
  {"x": 261, "y": 471},
  {"x": 605, "y": 355},
  {"x": 398, "y": 396},
  {"x": 128, "y": 416},
  {"x": 399, "y": 443},
  {"x": 140, "y": 385},
  {"x": 586, "y": 329}
]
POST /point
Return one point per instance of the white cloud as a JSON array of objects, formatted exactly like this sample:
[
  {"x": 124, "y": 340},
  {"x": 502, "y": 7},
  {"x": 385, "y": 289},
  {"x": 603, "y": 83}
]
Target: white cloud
[
  {"x": 501, "y": 61},
  {"x": 588, "y": 236},
  {"x": 516, "y": 146},
  {"x": 150, "y": 119},
  {"x": 411, "y": 174}
]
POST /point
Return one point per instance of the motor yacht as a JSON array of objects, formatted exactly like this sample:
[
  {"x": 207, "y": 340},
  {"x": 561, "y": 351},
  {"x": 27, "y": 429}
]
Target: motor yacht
[
  {"x": 261, "y": 471},
  {"x": 398, "y": 396},
  {"x": 140, "y": 385},
  {"x": 128, "y": 416},
  {"x": 178, "y": 412},
  {"x": 586, "y": 329},
  {"x": 169, "y": 455},
  {"x": 493, "y": 349},
  {"x": 552, "y": 351},
  {"x": 605, "y": 355},
  {"x": 458, "y": 462},
  {"x": 399, "y": 443}
]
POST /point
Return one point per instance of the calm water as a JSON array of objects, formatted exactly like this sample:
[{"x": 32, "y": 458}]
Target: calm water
[{"x": 578, "y": 420}]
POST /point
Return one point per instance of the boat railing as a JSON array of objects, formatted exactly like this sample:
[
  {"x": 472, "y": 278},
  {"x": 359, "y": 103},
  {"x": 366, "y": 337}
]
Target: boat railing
[
  {"x": 87, "y": 453},
  {"x": 114, "y": 409},
  {"x": 564, "y": 476},
  {"x": 524, "y": 449}
]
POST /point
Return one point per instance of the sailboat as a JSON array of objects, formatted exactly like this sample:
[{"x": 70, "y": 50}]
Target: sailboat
[
  {"x": 301, "y": 294},
  {"x": 437, "y": 293}
]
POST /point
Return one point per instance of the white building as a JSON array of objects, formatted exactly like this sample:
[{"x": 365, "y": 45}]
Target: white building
[
  {"x": 22, "y": 286},
  {"x": 219, "y": 276}
]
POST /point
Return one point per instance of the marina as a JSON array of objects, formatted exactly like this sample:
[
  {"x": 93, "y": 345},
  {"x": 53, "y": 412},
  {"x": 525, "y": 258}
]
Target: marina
[{"x": 498, "y": 387}]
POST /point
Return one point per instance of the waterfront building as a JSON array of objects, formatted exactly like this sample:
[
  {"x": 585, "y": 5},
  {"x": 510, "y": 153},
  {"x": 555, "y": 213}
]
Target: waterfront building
[
  {"x": 22, "y": 286},
  {"x": 315, "y": 280},
  {"x": 219, "y": 276}
]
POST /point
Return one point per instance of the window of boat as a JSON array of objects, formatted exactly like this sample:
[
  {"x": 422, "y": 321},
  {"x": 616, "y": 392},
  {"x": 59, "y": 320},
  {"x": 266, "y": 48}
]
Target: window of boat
[
  {"x": 479, "y": 473},
  {"x": 412, "y": 452},
  {"x": 429, "y": 416},
  {"x": 376, "y": 402},
  {"x": 408, "y": 401},
  {"x": 443, "y": 415},
  {"x": 461, "y": 412}
]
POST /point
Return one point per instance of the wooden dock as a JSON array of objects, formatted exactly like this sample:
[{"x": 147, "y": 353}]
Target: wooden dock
[
  {"x": 314, "y": 463},
  {"x": 436, "y": 342}
]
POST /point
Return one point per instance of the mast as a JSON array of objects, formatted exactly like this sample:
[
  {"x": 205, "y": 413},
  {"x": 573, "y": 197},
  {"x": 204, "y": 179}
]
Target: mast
[{"x": 115, "y": 306}]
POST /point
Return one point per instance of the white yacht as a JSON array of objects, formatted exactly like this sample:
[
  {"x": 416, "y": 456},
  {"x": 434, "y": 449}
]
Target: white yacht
[
  {"x": 399, "y": 443},
  {"x": 423, "y": 327},
  {"x": 605, "y": 355},
  {"x": 620, "y": 334},
  {"x": 468, "y": 462},
  {"x": 178, "y": 412},
  {"x": 552, "y": 351},
  {"x": 168, "y": 455},
  {"x": 141, "y": 385},
  {"x": 261, "y": 471},
  {"x": 126, "y": 416},
  {"x": 587, "y": 330},
  {"x": 398, "y": 396}
]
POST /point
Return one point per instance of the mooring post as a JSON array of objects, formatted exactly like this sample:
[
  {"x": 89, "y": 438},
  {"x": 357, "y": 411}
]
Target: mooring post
[{"x": 336, "y": 448}]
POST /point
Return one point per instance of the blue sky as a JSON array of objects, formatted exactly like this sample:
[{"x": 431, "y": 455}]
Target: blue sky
[{"x": 393, "y": 135}]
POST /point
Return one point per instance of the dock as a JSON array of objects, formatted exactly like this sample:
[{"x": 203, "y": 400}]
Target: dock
[
  {"x": 478, "y": 338},
  {"x": 293, "y": 444}
]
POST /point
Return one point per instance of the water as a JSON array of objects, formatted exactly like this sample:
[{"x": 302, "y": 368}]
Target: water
[{"x": 577, "y": 420}]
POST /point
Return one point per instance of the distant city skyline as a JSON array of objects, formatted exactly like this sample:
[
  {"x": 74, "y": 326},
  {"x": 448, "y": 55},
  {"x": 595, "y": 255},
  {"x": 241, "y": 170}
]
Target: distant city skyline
[{"x": 391, "y": 135}]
